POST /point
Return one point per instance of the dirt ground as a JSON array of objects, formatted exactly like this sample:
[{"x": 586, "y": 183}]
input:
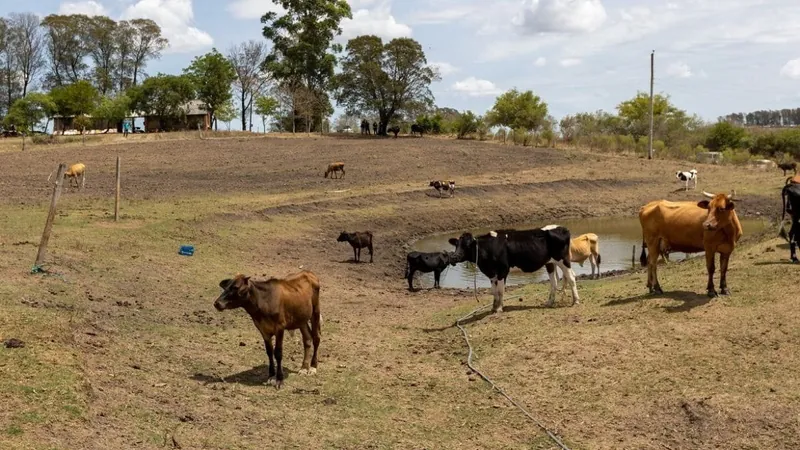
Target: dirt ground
[{"x": 124, "y": 349}]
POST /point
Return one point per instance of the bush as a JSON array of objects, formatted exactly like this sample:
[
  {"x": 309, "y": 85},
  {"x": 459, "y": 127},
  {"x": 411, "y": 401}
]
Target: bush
[
  {"x": 483, "y": 130},
  {"x": 501, "y": 135},
  {"x": 521, "y": 137},
  {"x": 725, "y": 135},
  {"x": 736, "y": 156},
  {"x": 466, "y": 124}
]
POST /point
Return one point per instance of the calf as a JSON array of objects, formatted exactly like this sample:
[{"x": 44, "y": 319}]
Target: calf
[
  {"x": 792, "y": 206},
  {"x": 276, "y": 305},
  {"x": 530, "y": 250},
  {"x": 443, "y": 186},
  {"x": 686, "y": 177},
  {"x": 333, "y": 168},
  {"x": 358, "y": 240},
  {"x": 394, "y": 130},
  {"x": 74, "y": 172},
  {"x": 434, "y": 262},
  {"x": 416, "y": 129},
  {"x": 787, "y": 166}
]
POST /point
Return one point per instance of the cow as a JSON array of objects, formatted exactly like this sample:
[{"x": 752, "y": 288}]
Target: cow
[
  {"x": 394, "y": 130},
  {"x": 416, "y": 129},
  {"x": 498, "y": 251},
  {"x": 375, "y": 128},
  {"x": 787, "y": 166},
  {"x": 435, "y": 262},
  {"x": 792, "y": 192},
  {"x": 582, "y": 248},
  {"x": 333, "y": 168},
  {"x": 686, "y": 177},
  {"x": 443, "y": 186},
  {"x": 276, "y": 305},
  {"x": 74, "y": 172},
  {"x": 710, "y": 225},
  {"x": 358, "y": 240}
]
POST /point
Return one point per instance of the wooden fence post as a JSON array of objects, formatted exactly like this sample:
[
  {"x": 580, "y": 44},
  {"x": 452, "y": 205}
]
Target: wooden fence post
[
  {"x": 48, "y": 226},
  {"x": 116, "y": 200}
]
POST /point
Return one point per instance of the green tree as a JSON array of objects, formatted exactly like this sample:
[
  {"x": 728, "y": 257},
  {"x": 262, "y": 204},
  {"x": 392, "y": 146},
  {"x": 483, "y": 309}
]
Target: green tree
[
  {"x": 101, "y": 40},
  {"x": 518, "y": 111},
  {"x": 212, "y": 75},
  {"x": 466, "y": 124},
  {"x": 724, "y": 135},
  {"x": 147, "y": 45},
  {"x": 266, "y": 107},
  {"x": 226, "y": 113},
  {"x": 66, "y": 48},
  {"x": 386, "y": 79},
  {"x": 303, "y": 48},
  {"x": 635, "y": 113},
  {"x": 163, "y": 96},
  {"x": 76, "y": 99},
  {"x": 29, "y": 111},
  {"x": 113, "y": 110}
]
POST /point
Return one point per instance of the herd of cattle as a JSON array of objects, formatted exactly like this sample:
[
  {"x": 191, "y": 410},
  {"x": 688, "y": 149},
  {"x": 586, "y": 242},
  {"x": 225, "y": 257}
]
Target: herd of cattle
[{"x": 709, "y": 226}]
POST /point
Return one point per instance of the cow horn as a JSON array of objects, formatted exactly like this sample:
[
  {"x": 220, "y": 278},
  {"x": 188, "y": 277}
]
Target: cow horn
[
  {"x": 732, "y": 195},
  {"x": 708, "y": 195}
]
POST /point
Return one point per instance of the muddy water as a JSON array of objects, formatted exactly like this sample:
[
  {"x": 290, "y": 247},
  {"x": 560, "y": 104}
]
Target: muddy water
[{"x": 617, "y": 236}]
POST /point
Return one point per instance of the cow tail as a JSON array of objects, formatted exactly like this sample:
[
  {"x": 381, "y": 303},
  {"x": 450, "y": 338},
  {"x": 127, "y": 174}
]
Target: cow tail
[
  {"x": 783, "y": 198},
  {"x": 643, "y": 256},
  {"x": 316, "y": 315},
  {"x": 598, "y": 258}
]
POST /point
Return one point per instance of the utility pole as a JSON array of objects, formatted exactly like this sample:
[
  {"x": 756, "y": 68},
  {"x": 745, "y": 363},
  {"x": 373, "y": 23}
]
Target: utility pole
[{"x": 650, "y": 145}]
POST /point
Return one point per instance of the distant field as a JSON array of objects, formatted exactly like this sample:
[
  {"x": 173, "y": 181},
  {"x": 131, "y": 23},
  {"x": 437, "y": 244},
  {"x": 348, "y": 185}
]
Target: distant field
[{"x": 124, "y": 349}]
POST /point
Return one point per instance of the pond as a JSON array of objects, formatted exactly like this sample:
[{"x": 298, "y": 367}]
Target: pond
[{"x": 617, "y": 236}]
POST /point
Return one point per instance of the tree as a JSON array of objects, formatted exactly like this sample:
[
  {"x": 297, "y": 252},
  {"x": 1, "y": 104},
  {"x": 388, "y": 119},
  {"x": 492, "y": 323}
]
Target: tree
[
  {"x": 385, "y": 79},
  {"x": 466, "y": 124},
  {"x": 8, "y": 71},
  {"x": 226, "y": 113},
  {"x": 123, "y": 60},
  {"x": 163, "y": 96},
  {"x": 147, "y": 44},
  {"x": 113, "y": 110},
  {"x": 212, "y": 76},
  {"x": 101, "y": 40},
  {"x": 635, "y": 113},
  {"x": 66, "y": 48},
  {"x": 303, "y": 51},
  {"x": 27, "y": 45},
  {"x": 724, "y": 135},
  {"x": 519, "y": 111},
  {"x": 27, "y": 112},
  {"x": 266, "y": 107},
  {"x": 248, "y": 61},
  {"x": 76, "y": 99}
]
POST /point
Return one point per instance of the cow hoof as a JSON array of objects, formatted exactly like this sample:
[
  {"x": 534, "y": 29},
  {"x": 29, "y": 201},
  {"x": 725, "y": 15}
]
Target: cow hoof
[
  {"x": 312, "y": 371},
  {"x": 795, "y": 260},
  {"x": 712, "y": 294},
  {"x": 576, "y": 302},
  {"x": 550, "y": 304},
  {"x": 270, "y": 382},
  {"x": 725, "y": 291},
  {"x": 302, "y": 372}
]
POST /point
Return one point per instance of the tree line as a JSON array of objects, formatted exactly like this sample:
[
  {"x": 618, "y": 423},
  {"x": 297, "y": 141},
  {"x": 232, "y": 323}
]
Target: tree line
[{"x": 787, "y": 117}]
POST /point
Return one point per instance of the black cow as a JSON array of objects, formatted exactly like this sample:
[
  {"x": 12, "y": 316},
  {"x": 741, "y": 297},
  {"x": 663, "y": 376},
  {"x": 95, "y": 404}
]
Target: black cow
[
  {"x": 394, "y": 130},
  {"x": 792, "y": 191},
  {"x": 785, "y": 167},
  {"x": 530, "y": 250},
  {"x": 416, "y": 129},
  {"x": 444, "y": 186},
  {"x": 434, "y": 262}
]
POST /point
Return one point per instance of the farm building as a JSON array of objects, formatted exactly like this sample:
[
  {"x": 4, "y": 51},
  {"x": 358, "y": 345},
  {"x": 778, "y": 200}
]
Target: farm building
[
  {"x": 196, "y": 114},
  {"x": 65, "y": 125}
]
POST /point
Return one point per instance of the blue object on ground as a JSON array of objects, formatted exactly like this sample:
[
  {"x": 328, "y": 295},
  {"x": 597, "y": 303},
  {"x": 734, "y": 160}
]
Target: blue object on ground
[{"x": 186, "y": 250}]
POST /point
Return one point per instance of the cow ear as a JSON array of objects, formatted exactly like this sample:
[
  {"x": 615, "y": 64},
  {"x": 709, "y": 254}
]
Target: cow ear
[
  {"x": 703, "y": 204},
  {"x": 453, "y": 242},
  {"x": 730, "y": 206},
  {"x": 225, "y": 283}
]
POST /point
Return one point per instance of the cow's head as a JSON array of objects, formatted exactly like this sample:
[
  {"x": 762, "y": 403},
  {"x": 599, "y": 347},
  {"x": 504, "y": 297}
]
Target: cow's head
[
  {"x": 343, "y": 237},
  {"x": 235, "y": 293},
  {"x": 465, "y": 248},
  {"x": 720, "y": 210}
]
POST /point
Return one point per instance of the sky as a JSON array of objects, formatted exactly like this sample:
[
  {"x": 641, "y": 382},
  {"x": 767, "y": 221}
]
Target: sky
[{"x": 712, "y": 57}]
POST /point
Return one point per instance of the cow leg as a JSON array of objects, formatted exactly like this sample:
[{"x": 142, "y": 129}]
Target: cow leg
[
  {"x": 305, "y": 330},
  {"x": 270, "y": 357},
  {"x": 370, "y": 251},
  {"x": 569, "y": 277},
  {"x": 652, "y": 268},
  {"x": 436, "y": 274},
  {"x": 793, "y": 231},
  {"x": 359, "y": 255},
  {"x": 501, "y": 287},
  {"x": 723, "y": 273},
  {"x": 410, "y": 278},
  {"x": 355, "y": 254},
  {"x": 710, "y": 267},
  {"x": 497, "y": 304},
  {"x": 279, "y": 359},
  {"x": 551, "y": 272}
]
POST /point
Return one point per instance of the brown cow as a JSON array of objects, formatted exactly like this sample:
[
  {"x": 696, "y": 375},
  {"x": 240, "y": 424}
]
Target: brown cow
[
  {"x": 74, "y": 172},
  {"x": 710, "y": 225},
  {"x": 358, "y": 240},
  {"x": 276, "y": 305},
  {"x": 582, "y": 248},
  {"x": 333, "y": 168},
  {"x": 787, "y": 166}
]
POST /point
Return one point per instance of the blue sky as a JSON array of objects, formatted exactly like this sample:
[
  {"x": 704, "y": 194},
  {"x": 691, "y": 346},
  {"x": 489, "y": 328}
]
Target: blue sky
[{"x": 712, "y": 57}]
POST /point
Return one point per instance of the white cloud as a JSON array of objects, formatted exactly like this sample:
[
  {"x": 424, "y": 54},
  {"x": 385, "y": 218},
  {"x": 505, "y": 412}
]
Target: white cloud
[
  {"x": 444, "y": 68},
  {"x": 791, "y": 69},
  {"x": 569, "y": 62},
  {"x": 679, "y": 70},
  {"x": 434, "y": 16},
  {"x": 475, "y": 87},
  {"x": 540, "y": 61},
  {"x": 89, "y": 8},
  {"x": 252, "y": 9},
  {"x": 377, "y": 20},
  {"x": 561, "y": 16},
  {"x": 176, "y": 19}
]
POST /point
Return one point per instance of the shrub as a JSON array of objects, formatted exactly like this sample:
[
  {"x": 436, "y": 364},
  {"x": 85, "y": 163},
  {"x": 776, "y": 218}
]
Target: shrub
[
  {"x": 725, "y": 135},
  {"x": 466, "y": 124},
  {"x": 736, "y": 156}
]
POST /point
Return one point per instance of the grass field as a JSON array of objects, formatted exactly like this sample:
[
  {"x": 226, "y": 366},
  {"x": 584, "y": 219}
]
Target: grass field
[{"x": 124, "y": 349}]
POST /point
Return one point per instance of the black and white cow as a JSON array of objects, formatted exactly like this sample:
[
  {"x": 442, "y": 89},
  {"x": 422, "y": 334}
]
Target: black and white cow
[
  {"x": 443, "y": 186},
  {"x": 434, "y": 262},
  {"x": 792, "y": 193},
  {"x": 686, "y": 177},
  {"x": 530, "y": 250}
]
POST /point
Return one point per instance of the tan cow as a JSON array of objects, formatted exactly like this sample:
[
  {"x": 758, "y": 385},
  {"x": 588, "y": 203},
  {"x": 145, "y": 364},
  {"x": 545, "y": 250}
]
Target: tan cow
[
  {"x": 710, "y": 225},
  {"x": 333, "y": 168},
  {"x": 582, "y": 248},
  {"x": 74, "y": 172}
]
